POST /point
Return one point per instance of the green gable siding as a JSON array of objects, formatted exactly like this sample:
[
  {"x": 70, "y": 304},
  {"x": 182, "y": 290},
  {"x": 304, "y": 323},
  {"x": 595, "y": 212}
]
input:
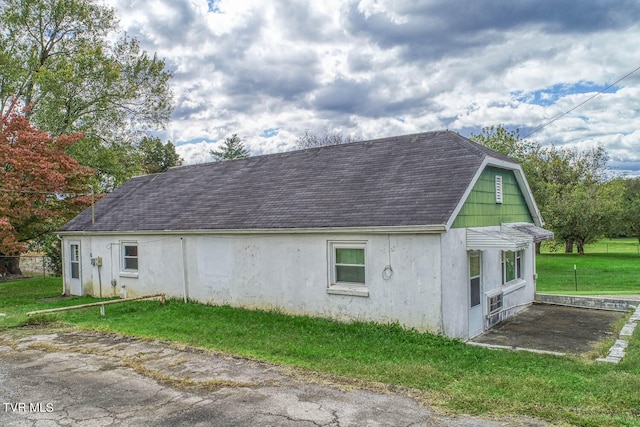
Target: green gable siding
[{"x": 480, "y": 209}]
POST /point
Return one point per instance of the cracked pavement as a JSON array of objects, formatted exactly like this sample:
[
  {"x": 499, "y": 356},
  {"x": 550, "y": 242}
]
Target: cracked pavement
[{"x": 68, "y": 377}]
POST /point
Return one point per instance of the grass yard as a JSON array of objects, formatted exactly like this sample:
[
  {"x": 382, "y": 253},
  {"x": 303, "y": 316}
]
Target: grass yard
[
  {"x": 458, "y": 377},
  {"x": 609, "y": 267}
]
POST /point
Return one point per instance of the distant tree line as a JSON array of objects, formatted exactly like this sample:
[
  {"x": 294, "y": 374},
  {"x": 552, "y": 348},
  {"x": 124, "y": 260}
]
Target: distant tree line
[
  {"x": 323, "y": 138},
  {"x": 234, "y": 148}
]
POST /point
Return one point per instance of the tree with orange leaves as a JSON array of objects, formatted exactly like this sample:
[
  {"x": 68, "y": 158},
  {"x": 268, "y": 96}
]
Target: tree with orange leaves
[{"x": 41, "y": 186}]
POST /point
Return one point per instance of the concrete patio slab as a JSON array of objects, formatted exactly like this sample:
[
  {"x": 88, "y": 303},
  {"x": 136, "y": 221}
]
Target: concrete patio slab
[{"x": 553, "y": 328}]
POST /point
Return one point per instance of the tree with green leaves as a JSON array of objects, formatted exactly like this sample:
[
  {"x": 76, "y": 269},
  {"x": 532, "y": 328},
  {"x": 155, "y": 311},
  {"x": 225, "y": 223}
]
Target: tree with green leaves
[
  {"x": 41, "y": 186},
  {"x": 232, "y": 148},
  {"x": 561, "y": 181},
  {"x": 586, "y": 212},
  {"x": 632, "y": 216},
  {"x": 157, "y": 157},
  {"x": 507, "y": 142},
  {"x": 628, "y": 222},
  {"x": 59, "y": 58}
]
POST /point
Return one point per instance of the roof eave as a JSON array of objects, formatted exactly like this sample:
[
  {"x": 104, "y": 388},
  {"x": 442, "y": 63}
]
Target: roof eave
[{"x": 409, "y": 229}]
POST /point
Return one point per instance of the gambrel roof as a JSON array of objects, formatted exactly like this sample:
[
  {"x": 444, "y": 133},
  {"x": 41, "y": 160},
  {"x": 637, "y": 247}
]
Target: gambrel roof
[{"x": 406, "y": 181}]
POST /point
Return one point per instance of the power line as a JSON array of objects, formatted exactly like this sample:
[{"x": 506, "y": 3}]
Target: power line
[
  {"x": 581, "y": 104},
  {"x": 48, "y": 193}
]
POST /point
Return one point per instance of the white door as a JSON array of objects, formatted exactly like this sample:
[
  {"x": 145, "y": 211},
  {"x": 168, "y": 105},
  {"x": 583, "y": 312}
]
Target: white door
[
  {"x": 476, "y": 321},
  {"x": 75, "y": 273}
]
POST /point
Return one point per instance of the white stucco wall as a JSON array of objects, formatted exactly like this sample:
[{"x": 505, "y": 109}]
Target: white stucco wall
[
  {"x": 159, "y": 249},
  {"x": 284, "y": 271},
  {"x": 455, "y": 283},
  {"x": 455, "y": 273},
  {"x": 291, "y": 272},
  {"x": 518, "y": 294}
]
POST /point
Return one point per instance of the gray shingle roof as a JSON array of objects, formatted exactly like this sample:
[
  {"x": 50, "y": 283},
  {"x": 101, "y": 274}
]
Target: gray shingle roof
[{"x": 409, "y": 180}]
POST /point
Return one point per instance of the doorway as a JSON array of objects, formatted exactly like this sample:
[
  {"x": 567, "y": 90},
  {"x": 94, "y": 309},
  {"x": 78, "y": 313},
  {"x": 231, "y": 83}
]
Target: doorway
[
  {"x": 476, "y": 323},
  {"x": 75, "y": 269}
]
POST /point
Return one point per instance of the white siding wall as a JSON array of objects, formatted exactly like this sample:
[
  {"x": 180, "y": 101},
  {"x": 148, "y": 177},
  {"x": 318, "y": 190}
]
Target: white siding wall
[{"x": 288, "y": 272}]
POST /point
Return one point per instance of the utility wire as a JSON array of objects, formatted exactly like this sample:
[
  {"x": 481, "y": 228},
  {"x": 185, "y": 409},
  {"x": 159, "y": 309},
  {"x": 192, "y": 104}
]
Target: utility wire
[
  {"x": 581, "y": 104},
  {"x": 49, "y": 193}
]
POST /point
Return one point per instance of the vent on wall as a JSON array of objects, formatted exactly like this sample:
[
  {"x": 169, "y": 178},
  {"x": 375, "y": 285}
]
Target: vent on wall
[
  {"x": 495, "y": 303},
  {"x": 494, "y": 307},
  {"x": 498, "y": 189}
]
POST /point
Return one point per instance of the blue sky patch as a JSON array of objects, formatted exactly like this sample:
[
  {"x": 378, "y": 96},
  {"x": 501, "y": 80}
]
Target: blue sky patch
[
  {"x": 270, "y": 133},
  {"x": 195, "y": 141},
  {"x": 550, "y": 95},
  {"x": 213, "y": 6}
]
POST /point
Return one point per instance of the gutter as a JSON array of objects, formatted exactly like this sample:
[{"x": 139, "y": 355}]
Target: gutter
[
  {"x": 404, "y": 229},
  {"x": 64, "y": 288}
]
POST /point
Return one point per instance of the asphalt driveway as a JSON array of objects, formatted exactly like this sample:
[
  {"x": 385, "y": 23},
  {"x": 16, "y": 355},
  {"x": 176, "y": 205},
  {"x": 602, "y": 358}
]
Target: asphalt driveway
[{"x": 79, "y": 378}]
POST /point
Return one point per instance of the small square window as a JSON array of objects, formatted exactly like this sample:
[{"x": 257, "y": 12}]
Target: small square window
[
  {"x": 350, "y": 265},
  {"x": 129, "y": 256},
  {"x": 347, "y": 270}
]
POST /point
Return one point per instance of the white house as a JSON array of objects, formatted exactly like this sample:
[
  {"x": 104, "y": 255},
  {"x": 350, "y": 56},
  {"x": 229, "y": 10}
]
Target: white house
[{"x": 429, "y": 230}]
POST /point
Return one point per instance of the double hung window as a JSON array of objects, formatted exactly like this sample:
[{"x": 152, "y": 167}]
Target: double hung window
[
  {"x": 512, "y": 268},
  {"x": 129, "y": 251},
  {"x": 347, "y": 273}
]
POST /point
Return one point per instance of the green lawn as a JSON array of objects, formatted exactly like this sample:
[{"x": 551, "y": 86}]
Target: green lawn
[
  {"x": 459, "y": 378},
  {"x": 609, "y": 267}
]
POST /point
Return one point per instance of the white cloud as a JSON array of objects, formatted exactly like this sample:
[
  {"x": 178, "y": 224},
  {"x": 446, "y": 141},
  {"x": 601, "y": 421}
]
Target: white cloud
[
  {"x": 196, "y": 152},
  {"x": 357, "y": 66}
]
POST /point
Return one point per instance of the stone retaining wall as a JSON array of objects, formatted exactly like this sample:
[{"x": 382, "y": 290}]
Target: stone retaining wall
[{"x": 595, "y": 302}]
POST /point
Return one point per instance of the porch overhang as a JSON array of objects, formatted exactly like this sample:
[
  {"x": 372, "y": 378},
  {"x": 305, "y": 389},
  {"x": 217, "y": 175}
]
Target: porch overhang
[
  {"x": 510, "y": 237},
  {"x": 479, "y": 239},
  {"x": 536, "y": 233}
]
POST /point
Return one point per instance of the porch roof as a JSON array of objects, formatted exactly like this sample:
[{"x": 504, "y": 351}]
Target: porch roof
[
  {"x": 538, "y": 234},
  {"x": 510, "y": 237},
  {"x": 480, "y": 239}
]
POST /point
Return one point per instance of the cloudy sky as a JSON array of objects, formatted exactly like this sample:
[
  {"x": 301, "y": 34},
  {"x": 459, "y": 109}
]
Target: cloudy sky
[{"x": 270, "y": 69}]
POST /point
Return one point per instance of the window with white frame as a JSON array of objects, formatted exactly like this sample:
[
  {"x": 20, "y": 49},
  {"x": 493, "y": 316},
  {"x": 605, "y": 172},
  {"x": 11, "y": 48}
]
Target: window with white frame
[
  {"x": 129, "y": 252},
  {"x": 347, "y": 268},
  {"x": 512, "y": 268}
]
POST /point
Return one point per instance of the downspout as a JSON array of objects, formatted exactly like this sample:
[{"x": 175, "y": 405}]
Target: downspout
[
  {"x": 100, "y": 276},
  {"x": 441, "y": 287},
  {"x": 114, "y": 283},
  {"x": 534, "y": 269},
  {"x": 184, "y": 270},
  {"x": 64, "y": 287}
]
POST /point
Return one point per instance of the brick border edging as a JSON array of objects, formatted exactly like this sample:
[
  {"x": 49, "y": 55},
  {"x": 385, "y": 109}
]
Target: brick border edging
[{"x": 617, "y": 351}]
